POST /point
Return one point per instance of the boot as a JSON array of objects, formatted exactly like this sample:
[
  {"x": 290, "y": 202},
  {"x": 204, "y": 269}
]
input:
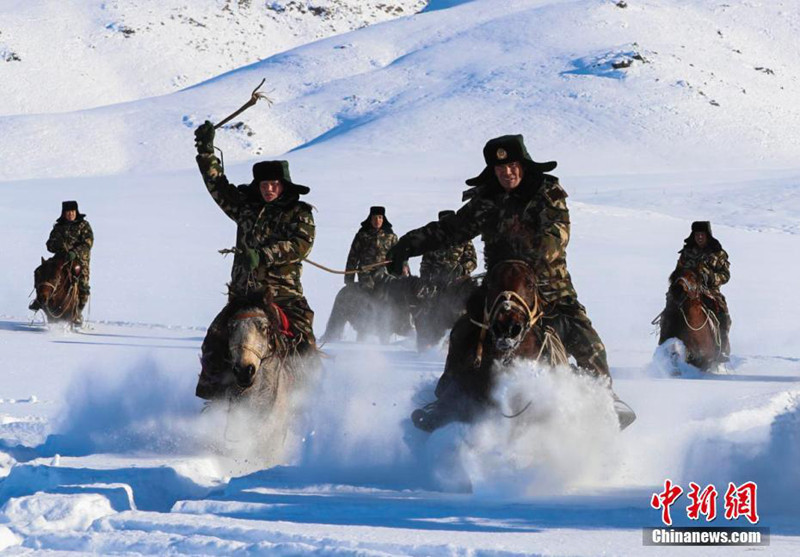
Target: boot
[{"x": 432, "y": 416}]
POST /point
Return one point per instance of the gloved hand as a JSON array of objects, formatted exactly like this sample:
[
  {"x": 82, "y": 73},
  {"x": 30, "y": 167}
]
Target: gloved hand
[
  {"x": 349, "y": 279},
  {"x": 399, "y": 254},
  {"x": 252, "y": 257},
  {"x": 204, "y": 138},
  {"x": 72, "y": 256}
]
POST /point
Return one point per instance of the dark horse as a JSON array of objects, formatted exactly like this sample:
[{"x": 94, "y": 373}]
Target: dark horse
[
  {"x": 382, "y": 310},
  {"x": 56, "y": 281},
  {"x": 509, "y": 326},
  {"x": 438, "y": 311},
  {"x": 261, "y": 377},
  {"x": 689, "y": 318}
]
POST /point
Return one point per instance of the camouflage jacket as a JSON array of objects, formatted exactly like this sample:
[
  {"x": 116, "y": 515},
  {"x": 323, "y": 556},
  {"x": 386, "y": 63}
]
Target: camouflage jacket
[
  {"x": 531, "y": 223},
  {"x": 75, "y": 236},
  {"x": 711, "y": 264},
  {"x": 281, "y": 231},
  {"x": 369, "y": 246},
  {"x": 448, "y": 264}
]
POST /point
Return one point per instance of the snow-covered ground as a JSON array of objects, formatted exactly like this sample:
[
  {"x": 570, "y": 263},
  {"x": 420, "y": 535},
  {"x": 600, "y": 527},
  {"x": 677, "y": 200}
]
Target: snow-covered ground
[{"x": 102, "y": 445}]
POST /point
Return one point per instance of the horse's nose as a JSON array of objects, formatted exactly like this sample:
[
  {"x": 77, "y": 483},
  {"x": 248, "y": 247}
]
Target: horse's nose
[{"x": 244, "y": 375}]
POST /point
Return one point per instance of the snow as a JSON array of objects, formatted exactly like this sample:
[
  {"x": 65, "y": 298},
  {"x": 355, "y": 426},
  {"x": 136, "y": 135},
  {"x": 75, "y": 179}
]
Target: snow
[{"x": 103, "y": 448}]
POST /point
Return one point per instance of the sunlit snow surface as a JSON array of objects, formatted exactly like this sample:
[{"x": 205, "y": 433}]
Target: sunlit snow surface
[{"x": 103, "y": 448}]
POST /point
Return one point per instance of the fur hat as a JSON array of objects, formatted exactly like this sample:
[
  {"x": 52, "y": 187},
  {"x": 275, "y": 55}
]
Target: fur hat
[
  {"x": 377, "y": 210},
  {"x": 277, "y": 170},
  {"x": 702, "y": 226},
  {"x": 503, "y": 150}
]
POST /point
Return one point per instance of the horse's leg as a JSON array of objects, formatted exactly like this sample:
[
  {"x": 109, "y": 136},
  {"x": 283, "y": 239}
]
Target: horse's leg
[
  {"x": 700, "y": 346},
  {"x": 341, "y": 313},
  {"x": 214, "y": 351}
]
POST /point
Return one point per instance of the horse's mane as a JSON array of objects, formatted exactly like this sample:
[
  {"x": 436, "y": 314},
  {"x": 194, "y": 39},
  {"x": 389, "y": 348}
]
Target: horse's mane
[{"x": 262, "y": 300}]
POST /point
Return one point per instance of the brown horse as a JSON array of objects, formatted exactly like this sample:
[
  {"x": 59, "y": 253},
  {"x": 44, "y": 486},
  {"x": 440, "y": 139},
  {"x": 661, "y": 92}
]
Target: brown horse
[
  {"x": 510, "y": 327},
  {"x": 56, "y": 281},
  {"x": 689, "y": 318}
]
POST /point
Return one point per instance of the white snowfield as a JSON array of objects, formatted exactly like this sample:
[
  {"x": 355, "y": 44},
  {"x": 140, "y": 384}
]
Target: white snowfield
[{"x": 103, "y": 448}]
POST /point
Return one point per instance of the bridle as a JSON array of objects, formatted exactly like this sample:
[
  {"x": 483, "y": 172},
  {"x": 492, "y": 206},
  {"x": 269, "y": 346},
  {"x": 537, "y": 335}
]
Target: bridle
[
  {"x": 508, "y": 301},
  {"x": 241, "y": 316}
]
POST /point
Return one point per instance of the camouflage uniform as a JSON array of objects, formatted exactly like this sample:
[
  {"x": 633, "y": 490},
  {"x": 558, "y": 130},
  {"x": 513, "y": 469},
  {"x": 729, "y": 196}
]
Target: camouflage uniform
[
  {"x": 77, "y": 237},
  {"x": 443, "y": 266},
  {"x": 271, "y": 241},
  {"x": 370, "y": 245},
  {"x": 529, "y": 223},
  {"x": 711, "y": 264}
]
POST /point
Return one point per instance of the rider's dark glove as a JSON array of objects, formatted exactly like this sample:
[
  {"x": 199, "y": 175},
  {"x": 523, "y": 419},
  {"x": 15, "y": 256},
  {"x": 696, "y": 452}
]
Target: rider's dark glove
[
  {"x": 204, "y": 138},
  {"x": 349, "y": 279}
]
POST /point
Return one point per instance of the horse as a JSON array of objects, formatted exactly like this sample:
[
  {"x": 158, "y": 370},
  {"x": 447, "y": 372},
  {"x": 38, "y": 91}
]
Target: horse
[
  {"x": 511, "y": 327},
  {"x": 436, "y": 314},
  {"x": 56, "y": 281},
  {"x": 383, "y": 310},
  {"x": 263, "y": 377},
  {"x": 688, "y": 318}
]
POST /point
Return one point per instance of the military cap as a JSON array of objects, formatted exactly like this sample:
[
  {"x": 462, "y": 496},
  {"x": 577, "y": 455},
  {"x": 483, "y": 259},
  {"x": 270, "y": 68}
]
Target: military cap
[
  {"x": 277, "y": 170},
  {"x": 504, "y": 150},
  {"x": 702, "y": 226}
]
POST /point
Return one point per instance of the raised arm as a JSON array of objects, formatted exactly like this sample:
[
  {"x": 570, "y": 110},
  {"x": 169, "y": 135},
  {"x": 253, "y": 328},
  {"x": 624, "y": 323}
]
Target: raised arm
[{"x": 225, "y": 194}]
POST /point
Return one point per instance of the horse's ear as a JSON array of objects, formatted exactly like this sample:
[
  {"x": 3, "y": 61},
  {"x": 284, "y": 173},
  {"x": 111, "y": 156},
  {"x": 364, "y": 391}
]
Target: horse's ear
[{"x": 42, "y": 260}]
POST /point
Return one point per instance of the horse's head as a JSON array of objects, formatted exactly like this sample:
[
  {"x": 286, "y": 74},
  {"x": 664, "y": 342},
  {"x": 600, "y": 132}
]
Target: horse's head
[
  {"x": 687, "y": 285},
  {"x": 250, "y": 342},
  {"x": 512, "y": 303},
  {"x": 54, "y": 274}
]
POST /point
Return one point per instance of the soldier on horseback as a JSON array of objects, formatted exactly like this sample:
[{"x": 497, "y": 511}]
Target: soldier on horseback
[
  {"x": 443, "y": 266},
  {"x": 520, "y": 212},
  {"x": 72, "y": 239},
  {"x": 703, "y": 255},
  {"x": 275, "y": 232},
  {"x": 370, "y": 245}
]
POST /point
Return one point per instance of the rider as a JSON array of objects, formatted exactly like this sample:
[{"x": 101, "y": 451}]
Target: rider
[
  {"x": 446, "y": 265},
  {"x": 703, "y": 255},
  {"x": 72, "y": 238},
  {"x": 520, "y": 213},
  {"x": 371, "y": 243},
  {"x": 274, "y": 233}
]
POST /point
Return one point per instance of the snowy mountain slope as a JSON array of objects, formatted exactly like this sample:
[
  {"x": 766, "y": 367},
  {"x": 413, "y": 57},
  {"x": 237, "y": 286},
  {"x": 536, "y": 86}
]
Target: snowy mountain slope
[
  {"x": 115, "y": 51},
  {"x": 541, "y": 67}
]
